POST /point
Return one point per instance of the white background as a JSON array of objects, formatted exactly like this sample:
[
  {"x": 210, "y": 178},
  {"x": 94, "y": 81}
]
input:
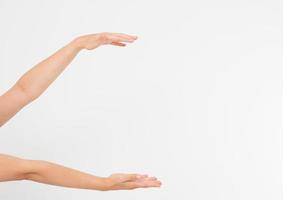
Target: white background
[{"x": 197, "y": 101}]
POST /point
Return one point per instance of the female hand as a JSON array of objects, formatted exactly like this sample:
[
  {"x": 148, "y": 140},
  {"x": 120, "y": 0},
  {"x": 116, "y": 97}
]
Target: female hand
[
  {"x": 93, "y": 41},
  {"x": 121, "y": 181}
]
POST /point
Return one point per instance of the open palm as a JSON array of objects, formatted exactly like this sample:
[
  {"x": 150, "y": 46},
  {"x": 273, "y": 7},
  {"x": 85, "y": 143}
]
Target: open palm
[{"x": 121, "y": 181}]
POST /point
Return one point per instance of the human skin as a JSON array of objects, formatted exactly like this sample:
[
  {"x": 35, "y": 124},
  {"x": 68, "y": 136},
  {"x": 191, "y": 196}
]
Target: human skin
[{"x": 28, "y": 88}]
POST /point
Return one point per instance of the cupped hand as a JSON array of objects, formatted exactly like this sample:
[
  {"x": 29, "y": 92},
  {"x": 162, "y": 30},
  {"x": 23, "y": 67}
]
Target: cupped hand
[
  {"x": 93, "y": 41},
  {"x": 121, "y": 181}
]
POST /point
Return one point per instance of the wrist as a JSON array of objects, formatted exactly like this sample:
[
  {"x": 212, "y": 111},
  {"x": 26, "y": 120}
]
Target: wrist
[
  {"x": 104, "y": 184},
  {"x": 77, "y": 44}
]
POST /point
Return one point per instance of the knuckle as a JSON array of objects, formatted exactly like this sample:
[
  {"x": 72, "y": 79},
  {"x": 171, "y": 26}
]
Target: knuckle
[{"x": 103, "y": 36}]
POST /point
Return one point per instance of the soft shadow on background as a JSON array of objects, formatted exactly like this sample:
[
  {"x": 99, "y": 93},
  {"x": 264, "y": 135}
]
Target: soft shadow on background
[{"x": 196, "y": 101}]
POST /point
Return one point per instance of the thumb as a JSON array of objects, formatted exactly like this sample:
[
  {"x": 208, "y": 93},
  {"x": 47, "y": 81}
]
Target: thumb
[{"x": 131, "y": 177}]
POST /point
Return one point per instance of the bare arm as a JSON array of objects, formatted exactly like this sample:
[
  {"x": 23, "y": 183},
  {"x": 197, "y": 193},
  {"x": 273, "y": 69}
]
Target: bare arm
[
  {"x": 13, "y": 168},
  {"x": 29, "y": 87},
  {"x": 34, "y": 82}
]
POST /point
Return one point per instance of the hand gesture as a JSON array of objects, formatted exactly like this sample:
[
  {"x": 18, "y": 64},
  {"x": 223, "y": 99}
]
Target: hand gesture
[
  {"x": 93, "y": 41},
  {"x": 121, "y": 181}
]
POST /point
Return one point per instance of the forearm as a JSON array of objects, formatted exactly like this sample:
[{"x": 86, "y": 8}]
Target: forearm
[
  {"x": 54, "y": 174},
  {"x": 13, "y": 168},
  {"x": 36, "y": 80}
]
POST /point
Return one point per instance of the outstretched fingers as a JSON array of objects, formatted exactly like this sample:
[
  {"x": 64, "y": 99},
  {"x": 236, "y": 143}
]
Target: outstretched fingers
[
  {"x": 118, "y": 39},
  {"x": 142, "y": 181},
  {"x": 132, "y": 181},
  {"x": 125, "y": 36},
  {"x": 143, "y": 184}
]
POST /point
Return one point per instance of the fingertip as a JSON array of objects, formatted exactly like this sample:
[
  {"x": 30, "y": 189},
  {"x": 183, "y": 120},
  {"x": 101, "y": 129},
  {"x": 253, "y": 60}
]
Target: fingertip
[{"x": 134, "y": 37}]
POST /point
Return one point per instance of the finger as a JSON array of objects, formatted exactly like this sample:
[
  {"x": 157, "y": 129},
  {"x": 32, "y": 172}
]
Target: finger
[
  {"x": 116, "y": 38},
  {"x": 127, "y": 36},
  {"x": 146, "y": 184},
  {"x": 150, "y": 179},
  {"x": 153, "y": 183},
  {"x": 143, "y": 176},
  {"x": 147, "y": 178},
  {"x": 132, "y": 185},
  {"x": 130, "y": 177},
  {"x": 118, "y": 44}
]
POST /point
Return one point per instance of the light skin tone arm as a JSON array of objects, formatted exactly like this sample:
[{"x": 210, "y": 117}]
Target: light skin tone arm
[
  {"x": 29, "y": 87},
  {"x": 13, "y": 168},
  {"x": 36, "y": 81}
]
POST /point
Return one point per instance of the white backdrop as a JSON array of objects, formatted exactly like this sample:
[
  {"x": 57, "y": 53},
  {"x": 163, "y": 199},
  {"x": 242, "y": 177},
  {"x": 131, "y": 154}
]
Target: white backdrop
[{"x": 197, "y": 101}]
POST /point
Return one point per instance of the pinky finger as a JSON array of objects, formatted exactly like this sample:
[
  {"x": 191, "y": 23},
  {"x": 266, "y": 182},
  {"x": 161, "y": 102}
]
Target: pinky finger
[{"x": 118, "y": 44}]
